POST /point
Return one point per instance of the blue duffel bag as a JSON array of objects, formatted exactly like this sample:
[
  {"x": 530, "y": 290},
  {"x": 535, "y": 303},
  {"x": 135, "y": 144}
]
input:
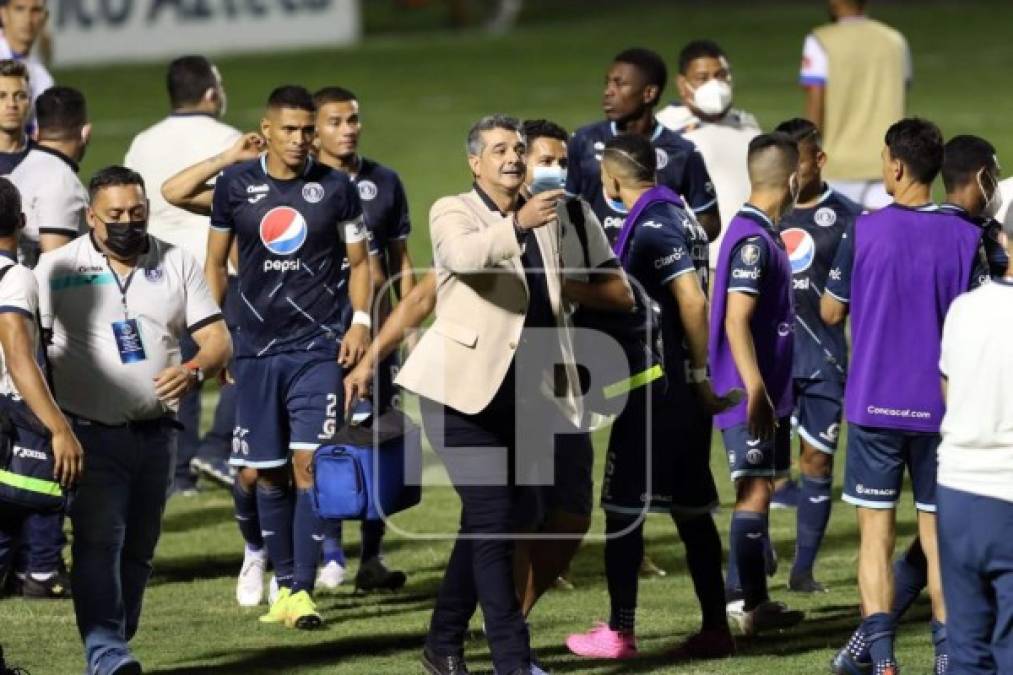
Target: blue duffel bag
[{"x": 370, "y": 471}]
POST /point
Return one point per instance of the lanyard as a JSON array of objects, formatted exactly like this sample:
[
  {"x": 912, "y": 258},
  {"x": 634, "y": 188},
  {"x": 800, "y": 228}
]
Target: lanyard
[{"x": 123, "y": 286}]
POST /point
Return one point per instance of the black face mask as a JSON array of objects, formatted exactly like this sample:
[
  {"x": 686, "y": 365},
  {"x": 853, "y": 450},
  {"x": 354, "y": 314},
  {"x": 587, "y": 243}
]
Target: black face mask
[{"x": 126, "y": 240}]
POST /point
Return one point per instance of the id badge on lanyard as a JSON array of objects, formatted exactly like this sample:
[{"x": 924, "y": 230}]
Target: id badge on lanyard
[{"x": 127, "y": 332}]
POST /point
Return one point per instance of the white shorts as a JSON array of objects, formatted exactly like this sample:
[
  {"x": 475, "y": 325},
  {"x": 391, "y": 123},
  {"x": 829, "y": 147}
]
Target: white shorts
[{"x": 869, "y": 194}]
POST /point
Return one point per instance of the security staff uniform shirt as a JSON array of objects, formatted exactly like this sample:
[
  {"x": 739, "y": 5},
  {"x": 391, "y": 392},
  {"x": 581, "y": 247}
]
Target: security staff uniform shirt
[
  {"x": 19, "y": 293},
  {"x": 680, "y": 167},
  {"x": 976, "y": 453},
  {"x": 724, "y": 144},
  {"x": 52, "y": 197},
  {"x": 163, "y": 150},
  {"x": 80, "y": 300}
]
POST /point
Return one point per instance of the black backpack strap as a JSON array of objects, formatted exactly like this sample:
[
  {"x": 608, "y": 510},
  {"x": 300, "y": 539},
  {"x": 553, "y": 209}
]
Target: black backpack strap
[{"x": 575, "y": 210}]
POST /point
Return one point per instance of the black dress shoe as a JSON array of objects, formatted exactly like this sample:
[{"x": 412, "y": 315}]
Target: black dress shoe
[{"x": 443, "y": 665}]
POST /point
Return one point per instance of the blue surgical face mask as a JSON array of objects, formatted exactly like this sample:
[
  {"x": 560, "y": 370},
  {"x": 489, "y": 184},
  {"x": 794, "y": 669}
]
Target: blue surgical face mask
[
  {"x": 547, "y": 178},
  {"x": 615, "y": 204}
]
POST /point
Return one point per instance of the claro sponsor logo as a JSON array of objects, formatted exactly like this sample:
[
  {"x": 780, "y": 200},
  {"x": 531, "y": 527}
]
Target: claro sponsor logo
[{"x": 899, "y": 412}]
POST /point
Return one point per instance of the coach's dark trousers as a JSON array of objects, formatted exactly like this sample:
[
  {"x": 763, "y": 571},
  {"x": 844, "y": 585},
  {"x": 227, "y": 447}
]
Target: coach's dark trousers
[
  {"x": 479, "y": 449},
  {"x": 117, "y": 518}
]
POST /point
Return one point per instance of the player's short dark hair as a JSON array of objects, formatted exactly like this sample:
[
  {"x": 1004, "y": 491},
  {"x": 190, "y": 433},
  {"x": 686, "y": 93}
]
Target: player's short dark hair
[
  {"x": 60, "y": 113},
  {"x": 918, "y": 144},
  {"x": 291, "y": 96},
  {"x": 650, "y": 65},
  {"x": 698, "y": 49},
  {"x": 187, "y": 80},
  {"x": 801, "y": 130},
  {"x": 636, "y": 154},
  {"x": 475, "y": 144},
  {"x": 543, "y": 129},
  {"x": 12, "y": 68},
  {"x": 10, "y": 208},
  {"x": 332, "y": 95},
  {"x": 113, "y": 176},
  {"x": 776, "y": 140},
  {"x": 963, "y": 157}
]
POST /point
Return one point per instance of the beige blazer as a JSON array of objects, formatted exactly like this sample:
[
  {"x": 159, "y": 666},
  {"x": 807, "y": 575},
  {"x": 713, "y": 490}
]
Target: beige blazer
[{"x": 481, "y": 304}]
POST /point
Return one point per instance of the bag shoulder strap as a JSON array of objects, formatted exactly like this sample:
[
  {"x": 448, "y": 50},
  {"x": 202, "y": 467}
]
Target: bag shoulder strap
[{"x": 575, "y": 210}]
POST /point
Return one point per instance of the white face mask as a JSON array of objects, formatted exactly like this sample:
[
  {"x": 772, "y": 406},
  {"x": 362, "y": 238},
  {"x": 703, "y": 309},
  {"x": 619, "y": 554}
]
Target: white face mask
[
  {"x": 713, "y": 97},
  {"x": 992, "y": 202}
]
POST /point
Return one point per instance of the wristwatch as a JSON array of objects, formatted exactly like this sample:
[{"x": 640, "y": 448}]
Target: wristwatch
[
  {"x": 696, "y": 375},
  {"x": 196, "y": 370}
]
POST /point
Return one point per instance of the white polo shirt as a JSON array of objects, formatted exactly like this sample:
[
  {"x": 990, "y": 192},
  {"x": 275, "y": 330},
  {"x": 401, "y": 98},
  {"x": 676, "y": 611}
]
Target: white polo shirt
[
  {"x": 163, "y": 150},
  {"x": 52, "y": 197},
  {"x": 976, "y": 452},
  {"x": 724, "y": 145},
  {"x": 80, "y": 300},
  {"x": 19, "y": 293}
]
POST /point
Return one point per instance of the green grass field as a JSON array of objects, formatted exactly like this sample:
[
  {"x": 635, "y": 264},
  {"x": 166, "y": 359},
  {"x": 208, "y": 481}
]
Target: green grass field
[{"x": 420, "y": 93}]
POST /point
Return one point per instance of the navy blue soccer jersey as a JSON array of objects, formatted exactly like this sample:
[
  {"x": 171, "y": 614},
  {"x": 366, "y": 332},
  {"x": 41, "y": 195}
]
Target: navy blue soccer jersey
[
  {"x": 10, "y": 160},
  {"x": 811, "y": 236},
  {"x": 384, "y": 205},
  {"x": 993, "y": 256},
  {"x": 667, "y": 243},
  {"x": 680, "y": 167},
  {"x": 291, "y": 236}
]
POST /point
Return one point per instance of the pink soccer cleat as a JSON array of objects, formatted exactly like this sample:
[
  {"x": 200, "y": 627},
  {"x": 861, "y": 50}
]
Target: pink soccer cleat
[{"x": 601, "y": 642}]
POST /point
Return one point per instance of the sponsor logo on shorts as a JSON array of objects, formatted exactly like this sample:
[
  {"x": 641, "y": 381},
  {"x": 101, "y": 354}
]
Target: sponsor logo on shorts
[
  {"x": 875, "y": 492},
  {"x": 835, "y": 274},
  {"x": 754, "y": 456},
  {"x": 832, "y": 433},
  {"x": 240, "y": 446},
  {"x": 820, "y": 499},
  {"x": 29, "y": 453}
]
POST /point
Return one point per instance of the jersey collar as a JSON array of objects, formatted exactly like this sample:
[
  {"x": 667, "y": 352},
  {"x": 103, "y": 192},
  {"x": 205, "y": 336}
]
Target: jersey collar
[
  {"x": 59, "y": 155},
  {"x": 753, "y": 213},
  {"x": 658, "y": 129},
  {"x": 490, "y": 204},
  {"x": 305, "y": 170}
]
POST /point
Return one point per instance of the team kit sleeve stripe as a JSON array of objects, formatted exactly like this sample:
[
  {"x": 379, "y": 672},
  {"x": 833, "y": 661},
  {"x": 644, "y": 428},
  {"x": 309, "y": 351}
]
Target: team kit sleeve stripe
[
  {"x": 16, "y": 310},
  {"x": 207, "y": 321}
]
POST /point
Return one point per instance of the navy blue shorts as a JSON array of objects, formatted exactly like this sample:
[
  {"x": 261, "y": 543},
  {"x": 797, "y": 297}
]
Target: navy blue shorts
[
  {"x": 817, "y": 417},
  {"x": 572, "y": 490},
  {"x": 289, "y": 401},
  {"x": 679, "y": 481},
  {"x": 875, "y": 467},
  {"x": 750, "y": 457}
]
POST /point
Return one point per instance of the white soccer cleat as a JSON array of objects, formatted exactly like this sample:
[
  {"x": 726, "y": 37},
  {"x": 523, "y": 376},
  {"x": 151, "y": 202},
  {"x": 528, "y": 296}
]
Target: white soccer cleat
[
  {"x": 272, "y": 591},
  {"x": 330, "y": 576},
  {"x": 250, "y": 587}
]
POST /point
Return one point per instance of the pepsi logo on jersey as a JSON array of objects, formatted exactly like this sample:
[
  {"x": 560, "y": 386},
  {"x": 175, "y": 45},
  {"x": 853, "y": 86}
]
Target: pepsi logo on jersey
[
  {"x": 283, "y": 232},
  {"x": 801, "y": 249}
]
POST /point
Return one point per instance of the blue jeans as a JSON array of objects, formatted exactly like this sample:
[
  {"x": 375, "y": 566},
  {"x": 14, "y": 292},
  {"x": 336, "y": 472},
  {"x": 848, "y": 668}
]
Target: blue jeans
[{"x": 117, "y": 517}]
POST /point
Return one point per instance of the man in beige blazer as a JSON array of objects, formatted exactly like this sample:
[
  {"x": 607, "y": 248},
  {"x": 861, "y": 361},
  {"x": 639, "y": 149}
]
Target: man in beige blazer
[{"x": 484, "y": 357}]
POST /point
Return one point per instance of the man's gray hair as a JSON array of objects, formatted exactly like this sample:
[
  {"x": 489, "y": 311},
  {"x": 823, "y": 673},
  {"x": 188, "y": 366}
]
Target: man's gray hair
[{"x": 488, "y": 123}]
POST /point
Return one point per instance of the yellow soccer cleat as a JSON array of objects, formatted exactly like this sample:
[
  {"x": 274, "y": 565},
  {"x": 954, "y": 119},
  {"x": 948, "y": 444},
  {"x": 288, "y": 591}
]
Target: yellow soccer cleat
[
  {"x": 301, "y": 612},
  {"x": 279, "y": 608}
]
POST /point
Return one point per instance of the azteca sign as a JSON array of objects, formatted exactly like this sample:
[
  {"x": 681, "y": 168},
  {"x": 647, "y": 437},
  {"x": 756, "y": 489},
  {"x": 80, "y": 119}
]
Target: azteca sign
[{"x": 105, "y": 31}]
